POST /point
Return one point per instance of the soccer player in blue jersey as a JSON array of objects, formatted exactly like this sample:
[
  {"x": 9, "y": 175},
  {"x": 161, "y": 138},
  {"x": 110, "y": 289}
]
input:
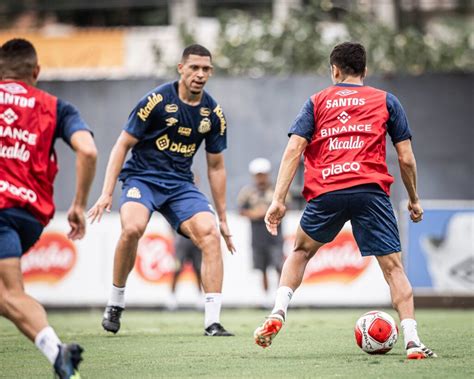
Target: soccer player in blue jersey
[{"x": 164, "y": 132}]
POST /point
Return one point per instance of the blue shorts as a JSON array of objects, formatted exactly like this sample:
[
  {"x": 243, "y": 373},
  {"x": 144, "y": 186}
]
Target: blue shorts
[
  {"x": 177, "y": 202},
  {"x": 371, "y": 214},
  {"x": 19, "y": 230}
]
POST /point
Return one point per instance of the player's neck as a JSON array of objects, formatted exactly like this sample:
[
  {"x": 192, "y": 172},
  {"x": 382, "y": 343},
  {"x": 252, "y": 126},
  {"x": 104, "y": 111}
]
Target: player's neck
[
  {"x": 187, "y": 96},
  {"x": 352, "y": 80},
  {"x": 30, "y": 82}
]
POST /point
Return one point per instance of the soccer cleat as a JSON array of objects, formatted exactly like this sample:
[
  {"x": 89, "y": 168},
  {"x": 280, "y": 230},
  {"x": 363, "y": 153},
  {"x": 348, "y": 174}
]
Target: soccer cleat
[
  {"x": 216, "y": 330},
  {"x": 419, "y": 351},
  {"x": 265, "y": 334},
  {"x": 67, "y": 362},
  {"x": 111, "y": 320}
]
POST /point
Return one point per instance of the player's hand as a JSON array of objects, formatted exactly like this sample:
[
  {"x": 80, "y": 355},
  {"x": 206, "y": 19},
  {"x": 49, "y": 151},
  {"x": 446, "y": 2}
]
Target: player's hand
[
  {"x": 416, "y": 211},
  {"x": 224, "y": 228},
  {"x": 104, "y": 203},
  {"x": 77, "y": 222},
  {"x": 275, "y": 214}
]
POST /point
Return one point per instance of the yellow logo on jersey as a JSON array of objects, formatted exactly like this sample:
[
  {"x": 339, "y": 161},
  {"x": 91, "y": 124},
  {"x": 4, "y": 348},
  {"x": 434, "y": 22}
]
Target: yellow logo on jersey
[
  {"x": 153, "y": 101},
  {"x": 204, "y": 126},
  {"x": 186, "y": 150},
  {"x": 220, "y": 114},
  {"x": 163, "y": 142},
  {"x": 184, "y": 131},
  {"x": 205, "y": 112},
  {"x": 171, "y": 108},
  {"x": 171, "y": 121}
]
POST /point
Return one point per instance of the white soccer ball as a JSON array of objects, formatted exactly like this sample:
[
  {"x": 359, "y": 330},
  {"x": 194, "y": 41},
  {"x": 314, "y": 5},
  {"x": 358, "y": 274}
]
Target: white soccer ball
[{"x": 376, "y": 332}]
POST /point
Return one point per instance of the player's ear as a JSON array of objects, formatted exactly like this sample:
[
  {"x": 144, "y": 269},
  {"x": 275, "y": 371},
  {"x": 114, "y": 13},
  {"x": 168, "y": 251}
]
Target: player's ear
[
  {"x": 36, "y": 72},
  {"x": 180, "y": 67},
  {"x": 365, "y": 73}
]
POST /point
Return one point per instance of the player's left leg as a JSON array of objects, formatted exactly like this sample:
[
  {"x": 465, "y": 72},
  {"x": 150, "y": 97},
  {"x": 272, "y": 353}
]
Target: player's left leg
[
  {"x": 375, "y": 229},
  {"x": 402, "y": 300},
  {"x": 202, "y": 230}
]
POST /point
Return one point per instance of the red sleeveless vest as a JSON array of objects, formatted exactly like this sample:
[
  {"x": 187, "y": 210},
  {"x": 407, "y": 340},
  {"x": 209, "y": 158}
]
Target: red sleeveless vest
[
  {"x": 28, "y": 118},
  {"x": 348, "y": 146}
]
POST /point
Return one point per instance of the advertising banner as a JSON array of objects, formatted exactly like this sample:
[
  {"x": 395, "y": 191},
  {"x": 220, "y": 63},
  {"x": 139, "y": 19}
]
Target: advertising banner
[
  {"x": 61, "y": 272},
  {"x": 440, "y": 249}
]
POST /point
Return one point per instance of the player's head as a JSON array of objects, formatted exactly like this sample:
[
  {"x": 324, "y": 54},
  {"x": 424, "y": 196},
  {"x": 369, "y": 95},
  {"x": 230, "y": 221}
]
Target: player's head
[
  {"x": 260, "y": 168},
  {"x": 348, "y": 59},
  {"x": 195, "y": 68},
  {"x": 18, "y": 60}
]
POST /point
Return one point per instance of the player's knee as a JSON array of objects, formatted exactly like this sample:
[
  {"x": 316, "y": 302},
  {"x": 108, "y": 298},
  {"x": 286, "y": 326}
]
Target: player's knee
[
  {"x": 132, "y": 231},
  {"x": 304, "y": 250},
  {"x": 206, "y": 234}
]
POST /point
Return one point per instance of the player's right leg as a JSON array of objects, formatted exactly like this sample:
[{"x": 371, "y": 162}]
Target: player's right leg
[
  {"x": 24, "y": 311},
  {"x": 291, "y": 278},
  {"x": 134, "y": 217}
]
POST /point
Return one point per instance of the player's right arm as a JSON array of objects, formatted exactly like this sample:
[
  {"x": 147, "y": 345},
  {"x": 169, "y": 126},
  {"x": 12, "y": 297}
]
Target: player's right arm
[
  {"x": 301, "y": 133},
  {"x": 117, "y": 157},
  {"x": 289, "y": 165}
]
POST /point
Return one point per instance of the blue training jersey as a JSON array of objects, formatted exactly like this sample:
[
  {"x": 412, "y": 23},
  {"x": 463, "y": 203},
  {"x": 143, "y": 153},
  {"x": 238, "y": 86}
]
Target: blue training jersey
[{"x": 169, "y": 133}]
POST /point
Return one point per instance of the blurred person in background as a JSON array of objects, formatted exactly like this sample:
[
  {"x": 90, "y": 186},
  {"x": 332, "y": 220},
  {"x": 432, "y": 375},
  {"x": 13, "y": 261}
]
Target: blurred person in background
[
  {"x": 341, "y": 130},
  {"x": 185, "y": 251},
  {"x": 30, "y": 122},
  {"x": 253, "y": 201},
  {"x": 164, "y": 132}
]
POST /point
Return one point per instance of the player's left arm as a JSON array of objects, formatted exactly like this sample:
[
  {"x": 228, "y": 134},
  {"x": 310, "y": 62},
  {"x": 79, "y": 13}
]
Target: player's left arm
[
  {"x": 74, "y": 131},
  {"x": 400, "y": 133},
  {"x": 217, "y": 180}
]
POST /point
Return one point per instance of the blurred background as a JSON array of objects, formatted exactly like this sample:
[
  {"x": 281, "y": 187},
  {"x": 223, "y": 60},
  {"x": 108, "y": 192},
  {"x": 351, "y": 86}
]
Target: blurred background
[{"x": 269, "y": 57}]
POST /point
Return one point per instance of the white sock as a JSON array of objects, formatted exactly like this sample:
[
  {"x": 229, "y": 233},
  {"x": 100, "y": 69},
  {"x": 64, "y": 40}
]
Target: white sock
[
  {"x": 212, "y": 308},
  {"x": 409, "y": 331},
  {"x": 48, "y": 343},
  {"x": 117, "y": 297},
  {"x": 282, "y": 299}
]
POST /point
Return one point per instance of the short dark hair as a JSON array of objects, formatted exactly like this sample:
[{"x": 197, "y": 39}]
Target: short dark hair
[
  {"x": 18, "y": 59},
  {"x": 195, "y": 49},
  {"x": 350, "y": 58}
]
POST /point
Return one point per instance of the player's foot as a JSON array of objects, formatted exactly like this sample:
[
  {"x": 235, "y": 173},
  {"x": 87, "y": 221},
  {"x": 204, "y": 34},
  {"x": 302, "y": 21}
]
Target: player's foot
[
  {"x": 111, "y": 320},
  {"x": 419, "y": 351},
  {"x": 67, "y": 362},
  {"x": 265, "y": 334},
  {"x": 216, "y": 330}
]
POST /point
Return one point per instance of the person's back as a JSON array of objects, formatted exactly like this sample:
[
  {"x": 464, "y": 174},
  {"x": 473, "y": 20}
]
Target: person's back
[
  {"x": 341, "y": 131},
  {"x": 30, "y": 122}
]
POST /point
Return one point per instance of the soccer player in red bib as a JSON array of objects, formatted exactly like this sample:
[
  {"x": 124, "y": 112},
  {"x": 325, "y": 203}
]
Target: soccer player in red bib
[
  {"x": 341, "y": 132},
  {"x": 30, "y": 122}
]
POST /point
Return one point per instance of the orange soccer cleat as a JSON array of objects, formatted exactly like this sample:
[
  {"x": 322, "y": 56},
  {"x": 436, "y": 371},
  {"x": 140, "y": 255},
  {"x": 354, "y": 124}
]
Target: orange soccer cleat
[{"x": 264, "y": 334}]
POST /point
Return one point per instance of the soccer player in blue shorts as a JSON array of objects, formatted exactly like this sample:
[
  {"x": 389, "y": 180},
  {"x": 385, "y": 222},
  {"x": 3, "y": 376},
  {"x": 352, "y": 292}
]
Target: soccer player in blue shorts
[
  {"x": 164, "y": 132},
  {"x": 341, "y": 131},
  {"x": 30, "y": 122}
]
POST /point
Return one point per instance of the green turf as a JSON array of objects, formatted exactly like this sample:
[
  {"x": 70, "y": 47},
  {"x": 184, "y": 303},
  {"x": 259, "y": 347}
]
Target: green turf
[{"x": 313, "y": 344}]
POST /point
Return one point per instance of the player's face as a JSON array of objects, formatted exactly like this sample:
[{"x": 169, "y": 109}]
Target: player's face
[{"x": 195, "y": 71}]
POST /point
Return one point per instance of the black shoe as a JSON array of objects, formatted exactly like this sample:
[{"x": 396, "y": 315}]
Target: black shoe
[
  {"x": 111, "y": 320},
  {"x": 67, "y": 361},
  {"x": 216, "y": 330}
]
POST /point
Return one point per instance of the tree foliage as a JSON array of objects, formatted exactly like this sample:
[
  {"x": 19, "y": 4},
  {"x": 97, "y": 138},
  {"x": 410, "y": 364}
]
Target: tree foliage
[{"x": 256, "y": 47}]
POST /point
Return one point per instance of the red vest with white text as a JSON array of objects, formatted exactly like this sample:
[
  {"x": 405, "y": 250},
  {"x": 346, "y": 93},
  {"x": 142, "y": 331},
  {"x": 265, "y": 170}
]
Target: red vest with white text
[
  {"x": 348, "y": 146},
  {"x": 28, "y": 165}
]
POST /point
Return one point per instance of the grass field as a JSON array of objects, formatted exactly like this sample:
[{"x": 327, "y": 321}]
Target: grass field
[{"x": 313, "y": 344}]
